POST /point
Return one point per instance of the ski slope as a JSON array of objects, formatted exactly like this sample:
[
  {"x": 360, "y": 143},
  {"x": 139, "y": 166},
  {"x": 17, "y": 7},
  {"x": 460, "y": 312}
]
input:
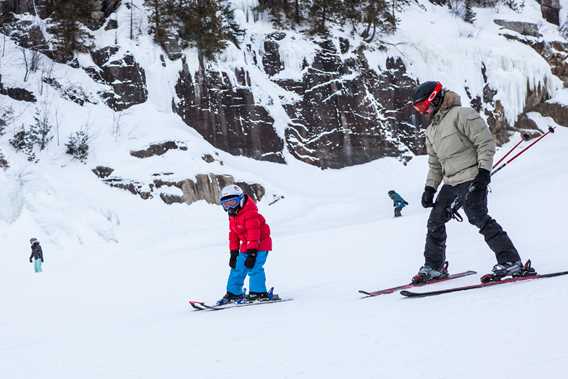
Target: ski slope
[{"x": 119, "y": 309}]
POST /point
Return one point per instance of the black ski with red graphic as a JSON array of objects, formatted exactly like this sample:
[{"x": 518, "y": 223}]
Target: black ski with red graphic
[
  {"x": 483, "y": 285},
  {"x": 412, "y": 285}
]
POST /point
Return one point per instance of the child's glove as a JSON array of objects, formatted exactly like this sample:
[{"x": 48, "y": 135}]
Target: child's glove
[
  {"x": 251, "y": 258},
  {"x": 233, "y": 259}
]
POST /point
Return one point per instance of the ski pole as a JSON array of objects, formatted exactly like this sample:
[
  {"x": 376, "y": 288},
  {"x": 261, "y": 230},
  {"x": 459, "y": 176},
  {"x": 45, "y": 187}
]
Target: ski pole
[
  {"x": 524, "y": 137},
  {"x": 458, "y": 202},
  {"x": 550, "y": 131}
]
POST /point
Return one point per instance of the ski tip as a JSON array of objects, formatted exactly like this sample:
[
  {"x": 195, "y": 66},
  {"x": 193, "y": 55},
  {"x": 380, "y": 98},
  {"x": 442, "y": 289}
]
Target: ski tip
[
  {"x": 196, "y": 302},
  {"x": 364, "y": 292}
]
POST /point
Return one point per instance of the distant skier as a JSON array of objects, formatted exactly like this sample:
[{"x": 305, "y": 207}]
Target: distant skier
[
  {"x": 249, "y": 244},
  {"x": 460, "y": 152},
  {"x": 37, "y": 254},
  {"x": 398, "y": 203}
]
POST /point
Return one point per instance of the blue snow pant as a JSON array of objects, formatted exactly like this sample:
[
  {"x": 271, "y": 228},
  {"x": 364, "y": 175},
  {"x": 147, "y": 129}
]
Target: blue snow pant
[
  {"x": 257, "y": 277},
  {"x": 37, "y": 265}
]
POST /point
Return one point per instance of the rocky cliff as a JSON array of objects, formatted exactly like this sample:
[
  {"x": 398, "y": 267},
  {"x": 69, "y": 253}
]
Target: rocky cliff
[{"x": 333, "y": 100}]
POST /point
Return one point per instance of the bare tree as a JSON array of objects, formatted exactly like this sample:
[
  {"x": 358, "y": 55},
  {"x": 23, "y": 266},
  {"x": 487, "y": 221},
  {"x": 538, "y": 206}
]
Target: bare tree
[
  {"x": 116, "y": 117},
  {"x": 57, "y": 125},
  {"x": 35, "y": 61},
  {"x": 25, "y": 54}
]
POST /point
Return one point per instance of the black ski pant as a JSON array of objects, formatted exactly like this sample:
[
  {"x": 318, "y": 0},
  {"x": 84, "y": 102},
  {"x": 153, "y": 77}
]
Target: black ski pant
[
  {"x": 475, "y": 208},
  {"x": 397, "y": 212}
]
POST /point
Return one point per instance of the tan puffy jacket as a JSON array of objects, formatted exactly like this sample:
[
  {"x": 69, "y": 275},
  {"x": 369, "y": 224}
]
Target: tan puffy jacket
[{"x": 458, "y": 143}]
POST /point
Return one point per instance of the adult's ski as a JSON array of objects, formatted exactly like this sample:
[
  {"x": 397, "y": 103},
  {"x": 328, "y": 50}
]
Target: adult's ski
[
  {"x": 482, "y": 285},
  {"x": 412, "y": 285},
  {"x": 202, "y": 306}
]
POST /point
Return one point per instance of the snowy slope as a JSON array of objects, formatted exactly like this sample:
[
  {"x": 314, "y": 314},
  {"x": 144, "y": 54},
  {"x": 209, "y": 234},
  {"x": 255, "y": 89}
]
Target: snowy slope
[{"x": 104, "y": 311}]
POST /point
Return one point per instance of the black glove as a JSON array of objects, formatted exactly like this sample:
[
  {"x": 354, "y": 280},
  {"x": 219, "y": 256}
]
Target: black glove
[
  {"x": 233, "y": 259},
  {"x": 482, "y": 180},
  {"x": 251, "y": 258},
  {"x": 30, "y": 259},
  {"x": 428, "y": 197}
]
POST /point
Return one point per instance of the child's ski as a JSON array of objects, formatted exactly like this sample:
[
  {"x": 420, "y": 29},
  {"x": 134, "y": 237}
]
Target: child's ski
[{"x": 201, "y": 306}]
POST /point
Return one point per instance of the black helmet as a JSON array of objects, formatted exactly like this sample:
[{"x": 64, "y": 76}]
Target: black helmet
[{"x": 426, "y": 94}]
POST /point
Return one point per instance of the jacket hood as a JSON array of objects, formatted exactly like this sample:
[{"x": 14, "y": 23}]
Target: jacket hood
[{"x": 451, "y": 99}]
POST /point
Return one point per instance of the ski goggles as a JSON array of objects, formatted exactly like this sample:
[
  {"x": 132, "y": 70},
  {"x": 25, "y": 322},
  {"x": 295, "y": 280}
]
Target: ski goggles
[
  {"x": 231, "y": 202},
  {"x": 424, "y": 105}
]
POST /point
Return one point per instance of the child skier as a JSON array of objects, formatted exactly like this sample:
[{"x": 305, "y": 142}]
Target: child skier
[
  {"x": 398, "y": 203},
  {"x": 37, "y": 255},
  {"x": 249, "y": 244}
]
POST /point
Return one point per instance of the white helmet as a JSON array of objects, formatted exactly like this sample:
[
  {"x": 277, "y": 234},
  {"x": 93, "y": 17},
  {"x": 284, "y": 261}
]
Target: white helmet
[
  {"x": 232, "y": 199},
  {"x": 230, "y": 191}
]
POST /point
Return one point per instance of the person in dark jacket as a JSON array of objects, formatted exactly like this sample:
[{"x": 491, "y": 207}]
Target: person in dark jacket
[
  {"x": 398, "y": 202},
  {"x": 37, "y": 254},
  {"x": 460, "y": 150}
]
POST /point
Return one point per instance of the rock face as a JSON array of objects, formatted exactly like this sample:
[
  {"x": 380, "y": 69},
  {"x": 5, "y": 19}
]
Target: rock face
[
  {"x": 27, "y": 33},
  {"x": 556, "y": 54},
  {"x": 551, "y": 11},
  {"x": 72, "y": 93},
  {"x": 208, "y": 188},
  {"x": 125, "y": 77},
  {"x": 3, "y": 162},
  {"x": 203, "y": 187},
  {"x": 102, "y": 171},
  {"x": 524, "y": 28},
  {"x": 349, "y": 114},
  {"x": 271, "y": 57},
  {"x": 558, "y": 112},
  {"x": 19, "y": 94},
  {"x": 226, "y": 115},
  {"x": 159, "y": 149},
  {"x": 109, "y": 6},
  {"x": 17, "y": 6}
]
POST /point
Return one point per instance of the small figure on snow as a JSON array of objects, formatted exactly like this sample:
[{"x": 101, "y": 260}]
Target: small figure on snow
[
  {"x": 249, "y": 244},
  {"x": 398, "y": 203},
  {"x": 37, "y": 254},
  {"x": 460, "y": 150}
]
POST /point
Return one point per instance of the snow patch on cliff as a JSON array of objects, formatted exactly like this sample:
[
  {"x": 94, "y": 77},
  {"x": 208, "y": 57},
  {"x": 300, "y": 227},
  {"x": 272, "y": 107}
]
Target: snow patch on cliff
[{"x": 437, "y": 45}]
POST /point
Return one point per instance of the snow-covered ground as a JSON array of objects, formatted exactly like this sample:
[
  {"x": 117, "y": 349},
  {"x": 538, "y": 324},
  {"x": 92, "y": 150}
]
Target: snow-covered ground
[{"x": 119, "y": 310}]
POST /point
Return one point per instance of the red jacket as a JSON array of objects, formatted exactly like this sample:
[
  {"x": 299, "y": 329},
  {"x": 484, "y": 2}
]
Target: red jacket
[{"x": 249, "y": 230}]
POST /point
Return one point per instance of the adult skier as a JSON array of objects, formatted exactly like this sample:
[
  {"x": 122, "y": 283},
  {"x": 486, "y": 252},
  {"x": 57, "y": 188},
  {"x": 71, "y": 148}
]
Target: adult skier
[
  {"x": 36, "y": 255},
  {"x": 249, "y": 244},
  {"x": 398, "y": 202},
  {"x": 460, "y": 150}
]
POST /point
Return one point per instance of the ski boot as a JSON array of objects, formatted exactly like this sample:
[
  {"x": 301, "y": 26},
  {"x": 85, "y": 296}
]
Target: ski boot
[
  {"x": 427, "y": 273},
  {"x": 229, "y": 298},
  {"x": 262, "y": 296},
  {"x": 257, "y": 296},
  {"x": 513, "y": 269}
]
